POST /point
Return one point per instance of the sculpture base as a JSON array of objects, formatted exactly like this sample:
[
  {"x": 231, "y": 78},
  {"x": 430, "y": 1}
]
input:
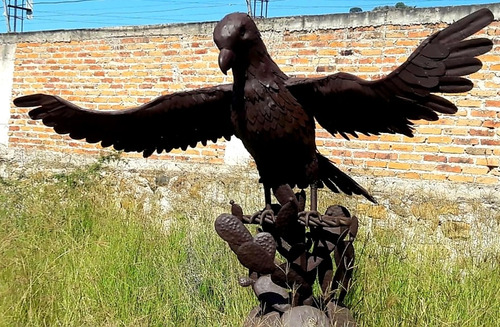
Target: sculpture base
[
  {"x": 302, "y": 316},
  {"x": 317, "y": 248}
]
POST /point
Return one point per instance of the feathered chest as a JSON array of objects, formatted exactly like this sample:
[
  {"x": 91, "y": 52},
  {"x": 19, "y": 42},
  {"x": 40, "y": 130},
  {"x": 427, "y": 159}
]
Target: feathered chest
[{"x": 268, "y": 111}]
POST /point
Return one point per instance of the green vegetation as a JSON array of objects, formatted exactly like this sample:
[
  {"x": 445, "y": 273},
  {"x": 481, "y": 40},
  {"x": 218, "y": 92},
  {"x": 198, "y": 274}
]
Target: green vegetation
[
  {"x": 85, "y": 248},
  {"x": 398, "y": 5}
]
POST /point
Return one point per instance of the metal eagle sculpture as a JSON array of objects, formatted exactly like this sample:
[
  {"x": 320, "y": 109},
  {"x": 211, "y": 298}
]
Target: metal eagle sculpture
[{"x": 274, "y": 115}]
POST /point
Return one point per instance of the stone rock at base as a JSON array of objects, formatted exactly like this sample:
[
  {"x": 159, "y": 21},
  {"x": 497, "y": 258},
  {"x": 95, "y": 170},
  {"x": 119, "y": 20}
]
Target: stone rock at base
[
  {"x": 305, "y": 316},
  {"x": 340, "y": 316},
  {"x": 270, "y": 294},
  {"x": 271, "y": 319}
]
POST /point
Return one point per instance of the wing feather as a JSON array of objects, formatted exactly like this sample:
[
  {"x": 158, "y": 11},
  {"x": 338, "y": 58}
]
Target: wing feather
[
  {"x": 345, "y": 104},
  {"x": 171, "y": 121}
]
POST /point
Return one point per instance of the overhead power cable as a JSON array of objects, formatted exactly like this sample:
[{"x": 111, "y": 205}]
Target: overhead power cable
[{"x": 63, "y": 2}]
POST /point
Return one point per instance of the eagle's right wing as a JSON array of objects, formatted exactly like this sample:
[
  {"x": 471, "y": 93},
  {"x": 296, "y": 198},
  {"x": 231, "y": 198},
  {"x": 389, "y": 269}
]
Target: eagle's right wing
[{"x": 170, "y": 121}]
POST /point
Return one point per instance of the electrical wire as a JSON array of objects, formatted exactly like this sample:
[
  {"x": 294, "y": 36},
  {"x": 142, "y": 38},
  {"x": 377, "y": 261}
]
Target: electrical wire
[{"x": 63, "y": 2}]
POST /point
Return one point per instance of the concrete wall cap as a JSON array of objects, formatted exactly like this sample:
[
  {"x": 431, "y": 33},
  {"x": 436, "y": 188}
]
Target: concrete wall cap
[{"x": 294, "y": 23}]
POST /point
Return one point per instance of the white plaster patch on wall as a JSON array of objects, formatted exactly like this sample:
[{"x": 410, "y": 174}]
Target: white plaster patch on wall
[
  {"x": 235, "y": 153},
  {"x": 7, "y": 52}
]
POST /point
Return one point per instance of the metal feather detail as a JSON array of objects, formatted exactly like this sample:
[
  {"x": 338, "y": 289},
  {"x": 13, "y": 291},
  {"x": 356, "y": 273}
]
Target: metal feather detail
[{"x": 273, "y": 114}]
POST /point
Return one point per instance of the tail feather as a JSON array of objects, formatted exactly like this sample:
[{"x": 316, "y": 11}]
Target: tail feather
[{"x": 337, "y": 180}]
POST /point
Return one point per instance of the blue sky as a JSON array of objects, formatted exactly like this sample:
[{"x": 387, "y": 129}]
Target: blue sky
[{"x": 74, "y": 14}]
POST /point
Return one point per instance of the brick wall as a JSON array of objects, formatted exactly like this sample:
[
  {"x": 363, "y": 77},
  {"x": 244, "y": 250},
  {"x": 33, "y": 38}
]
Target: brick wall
[{"x": 120, "y": 67}]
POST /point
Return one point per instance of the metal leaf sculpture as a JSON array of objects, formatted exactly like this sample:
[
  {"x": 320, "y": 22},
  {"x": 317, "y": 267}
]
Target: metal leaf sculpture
[{"x": 306, "y": 241}]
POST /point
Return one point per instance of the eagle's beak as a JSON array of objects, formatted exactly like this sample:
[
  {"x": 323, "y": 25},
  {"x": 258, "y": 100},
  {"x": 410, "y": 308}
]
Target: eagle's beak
[{"x": 226, "y": 59}]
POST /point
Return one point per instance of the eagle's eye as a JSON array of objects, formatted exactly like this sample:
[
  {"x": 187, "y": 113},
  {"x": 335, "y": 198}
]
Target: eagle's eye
[{"x": 243, "y": 30}]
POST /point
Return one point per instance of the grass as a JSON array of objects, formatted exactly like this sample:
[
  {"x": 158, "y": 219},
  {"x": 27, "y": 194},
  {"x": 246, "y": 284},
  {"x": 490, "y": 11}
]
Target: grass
[
  {"x": 398, "y": 286},
  {"x": 86, "y": 248}
]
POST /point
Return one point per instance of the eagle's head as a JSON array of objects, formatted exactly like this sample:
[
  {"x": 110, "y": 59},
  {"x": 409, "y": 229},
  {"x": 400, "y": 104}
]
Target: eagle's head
[{"x": 234, "y": 35}]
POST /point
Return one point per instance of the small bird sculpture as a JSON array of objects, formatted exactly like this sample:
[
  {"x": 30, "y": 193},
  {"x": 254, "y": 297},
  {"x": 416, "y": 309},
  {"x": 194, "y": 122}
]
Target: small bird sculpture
[{"x": 274, "y": 115}]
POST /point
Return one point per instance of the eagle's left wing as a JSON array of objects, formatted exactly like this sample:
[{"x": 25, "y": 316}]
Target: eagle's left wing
[{"x": 345, "y": 104}]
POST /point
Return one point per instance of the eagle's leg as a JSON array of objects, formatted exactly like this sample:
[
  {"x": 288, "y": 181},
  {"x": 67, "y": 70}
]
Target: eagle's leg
[
  {"x": 314, "y": 196},
  {"x": 283, "y": 193},
  {"x": 313, "y": 206},
  {"x": 268, "y": 205},
  {"x": 268, "y": 208},
  {"x": 267, "y": 196}
]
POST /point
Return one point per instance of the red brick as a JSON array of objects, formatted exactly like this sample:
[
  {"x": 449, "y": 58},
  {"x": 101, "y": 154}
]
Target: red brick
[
  {"x": 487, "y": 180},
  {"x": 398, "y": 165},
  {"x": 495, "y": 142},
  {"x": 460, "y": 160},
  {"x": 378, "y": 163},
  {"x": 493, "y": 103},
  {"x": 357, "y": 154},
  {"x": 429, "y": 130},
  {"x": 481, "y": 132},
  {"x": 435, "y": 158},
  {"x": 439, "y": 139},
  {"x": 475, "y": 170},
  {"x": 451, "y": 149},
  {"x": 488, "y": 161},
  {"x": 386, "y": 156},
  {"x": 409, "y": 175},
  {"x": 491, "y": 124},
  {"x": 379, "y": 146},
  {"x": 438, "y": 177},
  {"x": 483, "y": 113},
  {"x": 402, "y": 147},
  {"x": 410, "y": 157},
  {"x": 427, "y": 148},
  {"x": 383, "y": 173},
  {"x": 461, "y": 178},
  {"x": 449, "y": 168}
]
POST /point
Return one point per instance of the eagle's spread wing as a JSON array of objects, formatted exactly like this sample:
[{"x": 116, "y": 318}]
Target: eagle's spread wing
[
  {"x": 171, "y": 121},
  {"x": 345, "y": 104}
]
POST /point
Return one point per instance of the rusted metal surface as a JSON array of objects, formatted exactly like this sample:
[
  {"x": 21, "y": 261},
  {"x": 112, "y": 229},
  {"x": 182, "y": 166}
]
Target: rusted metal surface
[
  {"x": 316, "y": 247},
  {"x": 274, "y": 114}
]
